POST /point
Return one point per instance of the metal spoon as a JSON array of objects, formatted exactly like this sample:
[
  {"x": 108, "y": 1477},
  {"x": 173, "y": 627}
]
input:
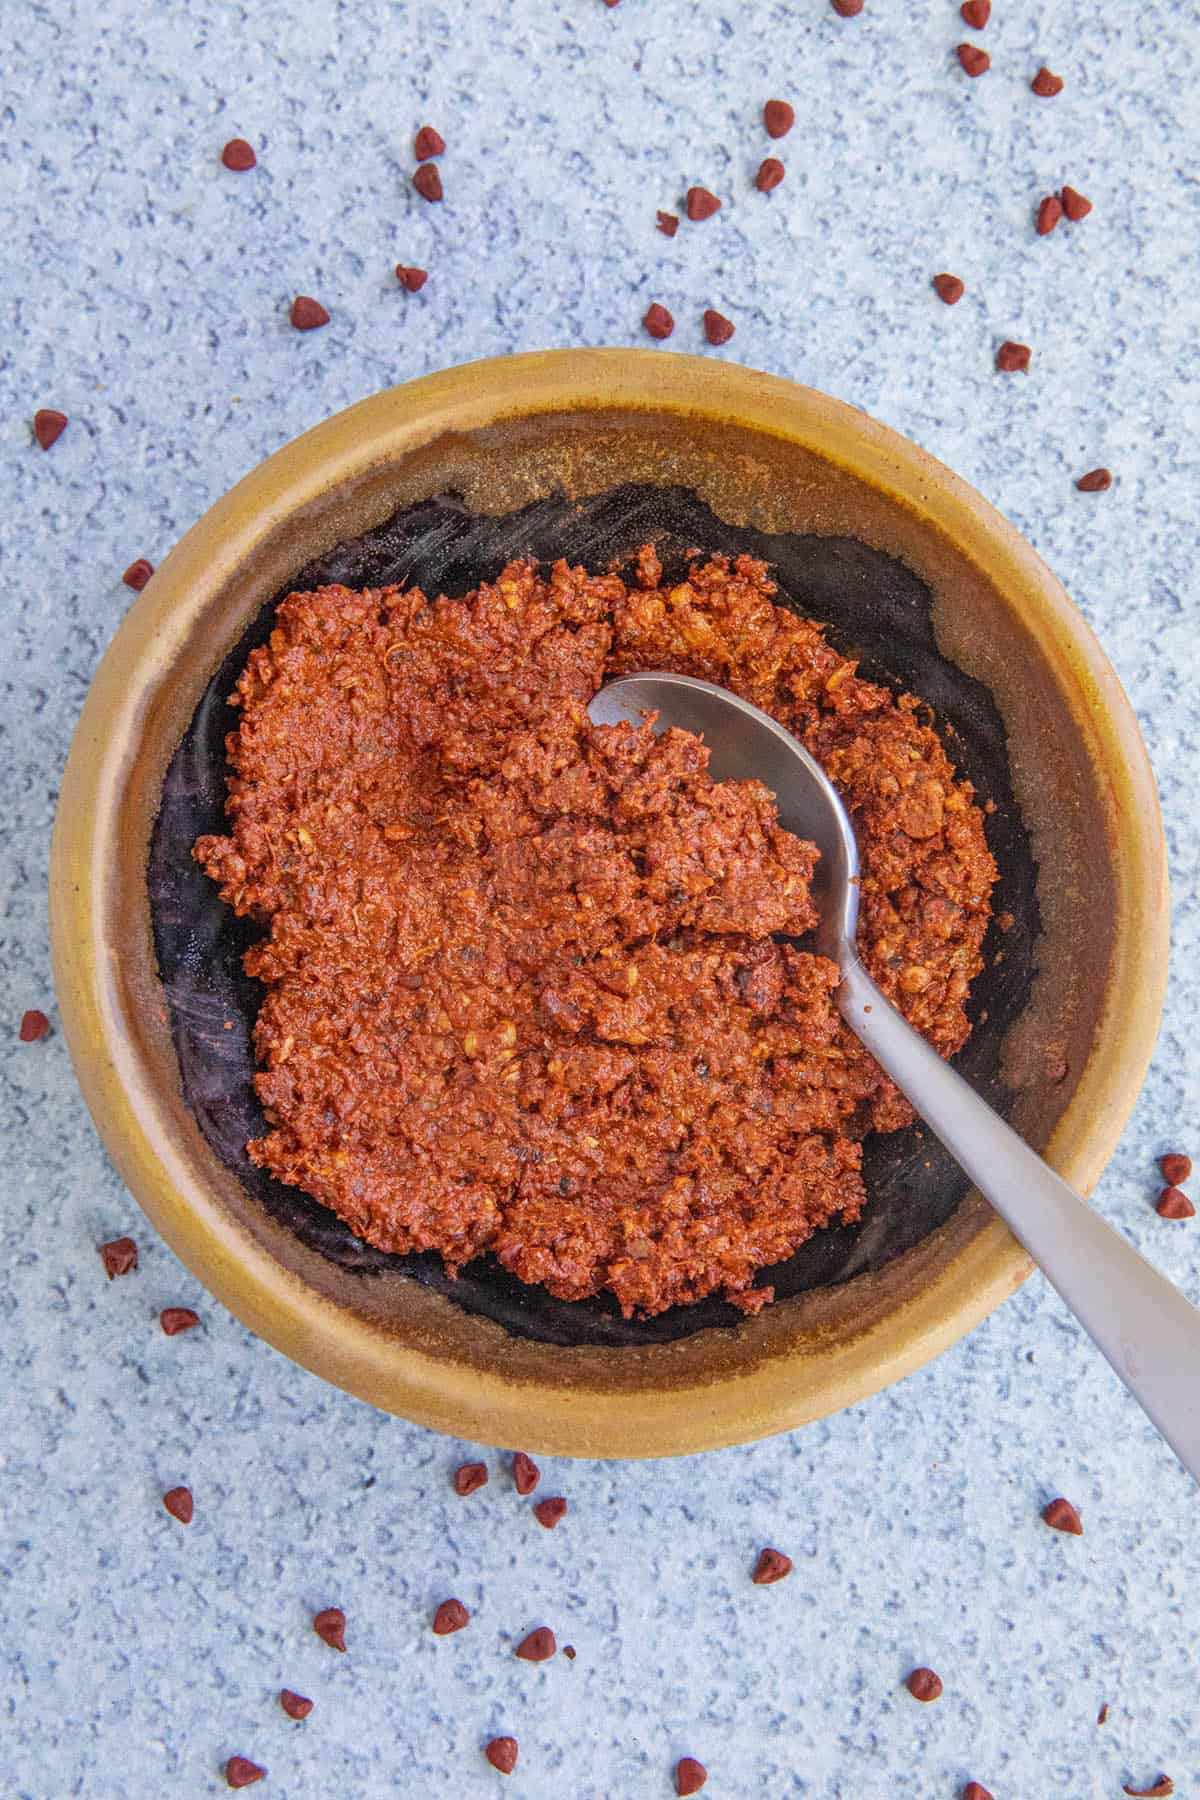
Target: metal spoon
[{"x": 1145, "y": 1327}]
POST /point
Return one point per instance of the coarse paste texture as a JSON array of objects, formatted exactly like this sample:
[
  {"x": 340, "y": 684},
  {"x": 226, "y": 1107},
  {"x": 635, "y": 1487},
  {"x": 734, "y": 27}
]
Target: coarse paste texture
[{"x": 534, "y": 986}]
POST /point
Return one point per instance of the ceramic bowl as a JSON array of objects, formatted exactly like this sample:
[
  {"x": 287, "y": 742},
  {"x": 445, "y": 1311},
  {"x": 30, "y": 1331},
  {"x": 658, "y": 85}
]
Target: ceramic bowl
[{"x": 586, "y": 453}]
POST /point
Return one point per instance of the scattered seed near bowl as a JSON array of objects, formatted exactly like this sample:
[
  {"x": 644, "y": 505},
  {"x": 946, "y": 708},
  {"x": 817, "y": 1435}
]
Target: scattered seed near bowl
[
  {"x": 34, "y": 1026},
  {"x": 778, "y": 117},
  {"x": 450, "y": 1616},
  {"x": 307, "y": 314},
  {"x": 1176, "y": 1167},
  {"x": 1048, "y": 214},
  {"x": 1098, "y": 481},
  {"x": 470, "y": 1477},
  {"x": 924, "y": 1685},
  {"x": 569, "y": 1652},
  {"x": 667, "y": 223},
  {"x": 526, "y": 1473},
  {"x": 658, "y": 321},
  {"x": 1173, "y": 1203},
  {"x": 427, "y": 143},
  {"x": 1060, "y": 1515},
  {"x": 239, "y": 156},
  {"x": 502, "y": 1752},
  {"x": 976, "y": 13},
  {"x": 1013, "y": 358},
  {"x": 1163, "y": 1788},
  {"x": 240, "y": 1772},
  {"x": 975, "y": 1790},
  {"x": 717, "y": 328},
  {"x": 179, "y": 1503},
  {"x": 330, "y": 1627},
  {"x": 949, "y": 289},
  {"x": 847, "y": 9},
  {"x": 175, "y": 1319},
  {"x": 539, "y": 1646},
  {"x": 701, "y": 204},
  {"x": 690, "y": 1775},
  {"x": 411, "y": 280},
  {"x": 119, "y": 1257},
  {"x": 1102, "y": 1715},
  {"x": 770, "y": 173},
  {"x": 138, "y": 574},
  {"x": 296, "y": 1706},
  {"x": 1045, "y": 85},
  {"x": 974, "y": 60},
  {"x": 48, "y": 426},
  {"x": 428, "y": 182},
  {"x": 549, "y": 1512},
  {"x": 772, "y": 1566},
  {"x": 1076, "y": 205}
]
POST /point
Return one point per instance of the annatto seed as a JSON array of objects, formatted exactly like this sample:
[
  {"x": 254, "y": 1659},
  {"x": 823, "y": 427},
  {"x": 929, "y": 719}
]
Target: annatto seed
[
  {"x": 778, "y": 117},
  {"x": 175, "y": 1319},
  {"x": 667, "y": 223},
  {"x": 975, "y": 1790},
  {"x": 33, "y": 1027},
  {"x": 772, "y": 1566},
  {"x": 1060, "y": 1515},
  {"x": 539, "y": 1646},
  {"x": 770, "y": 173},
  {"x": 526, "y": 1473},
  {"x": 48, "y": 426},
  {"x": 1163, "y": 1788},
  {"x": 976, "y": 13},
  {"x": 450, "y": 1616},
  {"x": 1173, "y": 1203},
  {"x": 238, "y": 155},
  {"x": 138, "y": 574},
  {"x": 296, "y": 1706},
  {"x": 1098, "y": 481},
  {"x": 1102, "y": 1715},
  {"x": 119, "y": 1256},
  {"x": 949, "y": 288},
  {"x": 717, "y": 328},
  {"x": 502, "y": 1752},
  {"x": 330, "y": 1627},
  {"x": 411, "y": 280},
  {"x": 428, "y": 182},
  {"x": 307, "y": 314},
  {"x": 427, "y": 143},
  {"x": 1176, "y": 1167},
  {"x": 1048, "y": 214},
  {"x": 924, "y": 1685},
  {"x": 1011, "y": 358},
  {"x": 701, "y": 204},
  {"x": 690, "y": 1775},
  {"x": 179, "y": 1503},
  {"x": 240, "y": 1772},
  {"x": 658, "y": 321},
  {"x": 847, "y": 9},
  {"x": 1045, "y": 85},
  {"x": 974, "y": 60},
  {"x": 1076, "y": 205},
  {"x": 470, "y": 1477},
  {"x": 549, "y": 1512}
]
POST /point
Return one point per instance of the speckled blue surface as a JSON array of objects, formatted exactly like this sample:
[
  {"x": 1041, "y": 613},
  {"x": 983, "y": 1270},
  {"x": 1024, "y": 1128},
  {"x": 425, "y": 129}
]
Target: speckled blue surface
[{"x": 145, "y": 293}]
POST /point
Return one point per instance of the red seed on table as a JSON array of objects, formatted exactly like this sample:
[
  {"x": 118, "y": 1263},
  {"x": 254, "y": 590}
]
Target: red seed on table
[
  {"x": 175, "y": 1319},
  {"x": 178, "y": 1502},
  {"x": 1163, "y": 1788},
  {"x": 48, "y": 426},
  {"x": 1048, "y": 214},
  {"x": 976, "y": 13},
  {"x": 502, "y": 1752},
  {"x": 1045, "y": 85},
  {"x": 450, "y": 1616},
  {"x": 924, "y": 1685},
  {"x": 119, "y": 1256},
  {"x": 1097, "y": 481},
  {"x": 526, "y": 1473},
  {"x": 1060, "y": 1515},
  {"x": 330, "y": 1627},
  {"x": 539, "y": 1646},
  {"x": 470, "y": 1477},
  {"x": 975, "y": 1790},
  {"x": 1102, "y": 1715},
  {"x": 772, "y": 1566},
  {"x": 1076, "y": 205},
  {"x": 549, "y": 1512},
  {"x": 1012, "y": 358},
  {"x": 33, "y": 1027},
  {"x": 690, "y": 1775},
  {"x": 701, "y": 204},
  {"x": 949, "y": 288},
  {"x": 658, "y": 321},
  {"x": 238, "y": 155},
  {"x": 294, "y": 1705},
  {"x": 717, "y": 328},
  {"x": 778, "y": 117},
  {"x": 240, "y": 1772},
  {"x": 428, "y": 182},
  {"x": 1176, "y": 1167},
  {"x": 667, "y": 223},
  {"x": 411, "y": 280},
  {"x": 1173, "y": 1203},
  {"x": 569, "y": 1652},
  {"x": 427, "y": 143},
  {"x": 847, "y": 9},
  {"x": 307, "y": 314},
  {"x": 138, "y": 574},
  {"x": 974, "y": 60},
  {"x": 770, "y": 173}
]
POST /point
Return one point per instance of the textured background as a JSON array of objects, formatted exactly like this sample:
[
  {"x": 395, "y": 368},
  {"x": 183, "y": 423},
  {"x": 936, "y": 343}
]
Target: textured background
[{"x": 145, "y": 294}]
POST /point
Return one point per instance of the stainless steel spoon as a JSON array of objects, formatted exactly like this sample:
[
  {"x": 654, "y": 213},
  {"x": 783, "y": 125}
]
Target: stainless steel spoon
[{"x": 1145, "y": 1327}]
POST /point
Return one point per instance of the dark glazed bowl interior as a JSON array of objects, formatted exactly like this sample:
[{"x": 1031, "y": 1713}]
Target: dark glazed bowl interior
[{"x": 876, "y": 609}]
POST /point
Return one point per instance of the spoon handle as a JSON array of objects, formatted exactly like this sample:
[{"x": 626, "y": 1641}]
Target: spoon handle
[{"x": 1147, "y": 1329}]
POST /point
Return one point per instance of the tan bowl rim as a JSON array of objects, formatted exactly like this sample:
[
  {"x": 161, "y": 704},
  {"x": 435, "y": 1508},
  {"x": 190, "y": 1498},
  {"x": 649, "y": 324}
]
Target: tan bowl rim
[{"x": 275, "y": 1303}]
